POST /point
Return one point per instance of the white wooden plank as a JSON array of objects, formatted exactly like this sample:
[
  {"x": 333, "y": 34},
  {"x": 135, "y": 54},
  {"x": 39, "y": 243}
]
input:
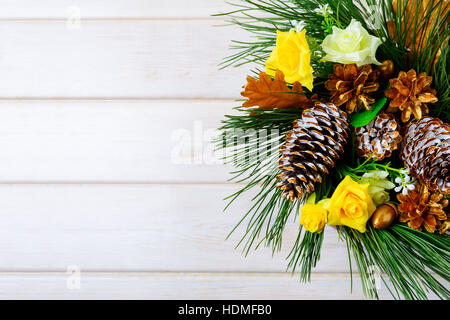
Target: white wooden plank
[
  {"x": 118, "y": 59},
  {"x": 135, "y": 228},
  {"x": 112, "y": 9},
  {"x": 111, "y": 141},
  {"x": 181, "y": 286}
]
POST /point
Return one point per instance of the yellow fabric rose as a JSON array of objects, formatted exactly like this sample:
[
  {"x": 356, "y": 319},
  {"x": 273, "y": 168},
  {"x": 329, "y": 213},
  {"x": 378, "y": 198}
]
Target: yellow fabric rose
[
  {"x": 313, "y": 217},
  {"x": 351, "y": 205},
  {"x": 351, "y": 45},
  {"x": 293, "y": 57}
]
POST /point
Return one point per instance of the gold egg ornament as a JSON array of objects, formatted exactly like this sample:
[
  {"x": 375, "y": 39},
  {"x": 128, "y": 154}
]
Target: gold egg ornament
[{"x": 384, "y": 216}]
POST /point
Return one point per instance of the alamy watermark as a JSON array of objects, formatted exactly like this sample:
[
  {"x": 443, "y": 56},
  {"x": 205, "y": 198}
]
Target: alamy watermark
[
  {"x": 208, "y": 146},
  {"x": 73, "y": 281},
  {"x": 73, "y": 21}
]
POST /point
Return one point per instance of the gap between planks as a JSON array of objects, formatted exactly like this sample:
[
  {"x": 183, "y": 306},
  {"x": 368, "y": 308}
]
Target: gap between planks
[
  {"x": 119, "y": 273},
  {"x": 114, "y": 19},
  {"x": 121, "y": 99}
]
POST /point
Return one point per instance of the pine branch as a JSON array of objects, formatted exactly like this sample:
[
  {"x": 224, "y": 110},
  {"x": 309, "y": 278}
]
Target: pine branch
[
  {"x": 252, "y": 141},
  {"x": 404, "y": 255},
  {"x": 305, "y": 253}
]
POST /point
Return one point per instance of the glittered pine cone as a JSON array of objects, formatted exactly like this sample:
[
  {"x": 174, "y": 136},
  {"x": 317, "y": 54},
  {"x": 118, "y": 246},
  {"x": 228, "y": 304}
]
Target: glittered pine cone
[
  {"x": 379, "y": 138},
  {"x": 421, "y": 208},
  {"x": 410, "y": 93},
  {"x": 316, "y": 141},
  {"x": 353, "y": 86},
  {"x": 426, "y": 152}
]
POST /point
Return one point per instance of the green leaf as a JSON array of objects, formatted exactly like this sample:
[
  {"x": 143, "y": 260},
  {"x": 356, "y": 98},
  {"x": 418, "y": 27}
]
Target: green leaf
[{"x": 364, "y": 117}]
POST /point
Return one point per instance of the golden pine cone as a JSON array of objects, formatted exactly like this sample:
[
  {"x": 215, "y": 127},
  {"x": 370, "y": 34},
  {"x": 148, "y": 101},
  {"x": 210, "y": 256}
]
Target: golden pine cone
[
  {"x": 410, "y": 93},
  {"x": 311, "y": 148},
  {"x": 426, "y": 152},
  {"x": 352, "y": 85},
  {"x": 379, "y": 138},
  {"x": 422, "y": 208}
]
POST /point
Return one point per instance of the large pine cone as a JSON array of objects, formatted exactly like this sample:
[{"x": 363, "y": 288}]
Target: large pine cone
[
  {"x": 421, "y": 208},
  {"x": 378, "y": 138},
  {"x": 426, "y": 152},
  {"x": 410, "y": 94},
  {"x": 311, "y": 149},
  {"x": 352, "y": 85}
]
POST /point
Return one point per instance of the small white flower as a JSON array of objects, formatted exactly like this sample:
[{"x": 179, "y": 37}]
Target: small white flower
[
  {"x": 410, "y": 186},
  {"x": 405, "y": 171},
  {"x": 405, "y": 183},
  {"x": 323, "y": 10},
  {"x": 298, "y": 26}
]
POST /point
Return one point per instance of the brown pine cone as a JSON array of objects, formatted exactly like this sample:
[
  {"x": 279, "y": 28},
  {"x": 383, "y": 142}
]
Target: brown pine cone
[
  {"x": 352, "y": 85},
  {"x": 311, "y": 149},
  {"x": 422, "y": 208},
  {"x": 378, "y": 138},
  {"x": 426, "y": 152},
  {"x": 410, "y": 93}
]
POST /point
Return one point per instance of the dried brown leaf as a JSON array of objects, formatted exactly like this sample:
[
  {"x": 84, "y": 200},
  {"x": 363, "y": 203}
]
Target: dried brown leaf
[{"x": 266, "y": 93}]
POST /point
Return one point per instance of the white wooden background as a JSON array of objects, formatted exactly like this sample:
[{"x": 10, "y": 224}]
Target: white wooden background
[{"x": 87, "y": 177}]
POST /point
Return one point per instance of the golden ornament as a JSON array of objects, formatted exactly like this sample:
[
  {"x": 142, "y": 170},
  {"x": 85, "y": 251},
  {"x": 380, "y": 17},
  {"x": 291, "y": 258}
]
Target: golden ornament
[{"x": 384, "y": 216}]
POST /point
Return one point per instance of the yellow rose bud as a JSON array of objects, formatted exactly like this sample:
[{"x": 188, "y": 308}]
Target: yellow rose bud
[
  {"x": 293, "y": 57},
  {"x": 313, "y": 217},
  {"x": 351, "y": 45},
  {"x": 351, "y": 205}
]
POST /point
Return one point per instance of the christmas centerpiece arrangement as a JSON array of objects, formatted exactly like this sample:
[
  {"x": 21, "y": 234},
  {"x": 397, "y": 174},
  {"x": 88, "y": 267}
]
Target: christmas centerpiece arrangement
[{"x": 345, "y": 122}]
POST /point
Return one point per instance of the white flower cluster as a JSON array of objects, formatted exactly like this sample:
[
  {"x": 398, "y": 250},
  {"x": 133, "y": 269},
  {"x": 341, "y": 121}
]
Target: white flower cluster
[
  {"x": 298, "y": 26},
  {"x": 405, "y": 183},
  {"x": 323, "y": 10}
]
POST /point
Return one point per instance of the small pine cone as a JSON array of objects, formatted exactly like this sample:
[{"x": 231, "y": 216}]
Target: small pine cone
[
  {"x": 311, "y": 149},
  {"x": 410, "y": 93},
  {"x": 426, "y": 152},
  {"x": 422, "y": 208},
  {"x": 352, "y": 85},
  {"x": 378, "y": 138}
]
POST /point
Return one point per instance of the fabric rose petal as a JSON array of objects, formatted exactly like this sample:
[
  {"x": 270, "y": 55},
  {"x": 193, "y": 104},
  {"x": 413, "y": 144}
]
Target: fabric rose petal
[
  {"x": 378, "y": 184},
  {"x": 293, "y": 57},
  {"x": 351, "y": 45},
  {"x": 351, "y": 205}
]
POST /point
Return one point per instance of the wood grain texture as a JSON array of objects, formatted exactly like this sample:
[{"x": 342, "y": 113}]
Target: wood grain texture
[
  {"x": 90, "y": 119},
  {"x": 135, "y": 228},
  {"x": 181, "y": 286},
  {"x": 111, "y": 141},
  {"x": 118, "y": 59},
  {"x": 112, "y": 9}
]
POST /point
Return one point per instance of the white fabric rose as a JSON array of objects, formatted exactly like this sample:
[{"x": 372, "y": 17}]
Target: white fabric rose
[
  {"x": 378, "y": 184},
  {"x": 351, "y": 45}
]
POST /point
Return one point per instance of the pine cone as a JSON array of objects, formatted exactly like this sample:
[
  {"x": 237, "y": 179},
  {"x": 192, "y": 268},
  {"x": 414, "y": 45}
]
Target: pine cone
[
  {"x": 422, "y": 208},
  {"x": 410, "y": 93},
  {"x": 353, "y": 85},
  {"x": 426, "y": 152},
  {"x": 311, "y": 149},
  {"x": 378, "y": 138}
]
